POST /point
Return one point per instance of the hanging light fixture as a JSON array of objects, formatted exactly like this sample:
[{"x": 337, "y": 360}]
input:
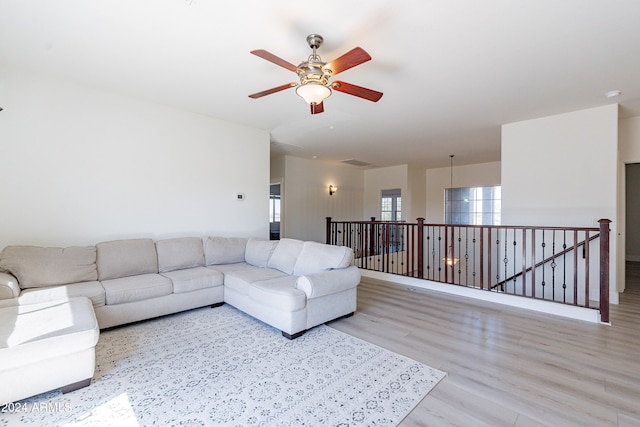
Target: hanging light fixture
[
  {"x": 313, "y": 93},
  {"x": 450, "y": 260},
  {"x": 314, "y": 78},
  {"x": 451, "y": 170}
]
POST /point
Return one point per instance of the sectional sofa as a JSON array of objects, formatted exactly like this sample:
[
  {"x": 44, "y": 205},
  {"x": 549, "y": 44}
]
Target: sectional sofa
[{"x": 289, "y": 284}]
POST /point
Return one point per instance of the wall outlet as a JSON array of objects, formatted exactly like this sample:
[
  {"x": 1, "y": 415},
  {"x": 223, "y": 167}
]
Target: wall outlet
[{"x": 240, "y": 196}]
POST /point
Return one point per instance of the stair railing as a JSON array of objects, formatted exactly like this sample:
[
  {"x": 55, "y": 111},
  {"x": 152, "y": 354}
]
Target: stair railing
[{"x": 549, "y": 263}]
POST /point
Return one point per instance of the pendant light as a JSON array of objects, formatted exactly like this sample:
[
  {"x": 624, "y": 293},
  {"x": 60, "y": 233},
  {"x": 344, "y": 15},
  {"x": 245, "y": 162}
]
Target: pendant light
[{"x": 450, "y": 260}]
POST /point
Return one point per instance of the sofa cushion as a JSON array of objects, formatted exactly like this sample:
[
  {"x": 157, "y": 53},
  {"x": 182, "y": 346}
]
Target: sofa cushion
[
  {"x": 46, "y": 330},
  {"x": 225, "y": 268},
  {"x": 280, "y": 293},
  {"x": 258, "y": 251},
  {"x": 239, "y": 280},
  {"x": 35, "y": 266},
  {"x": 136, "y": 288},
  {"x": 178, "y": 253},
  {"x": 224, "y": 250},
  {"x": 316, "y": 257},
  {"x": 192, "y": 279},
  {"x": 92, "y": 290},
  {"x": 285, "y": 255},
  {"x": 121, "y": 258}
]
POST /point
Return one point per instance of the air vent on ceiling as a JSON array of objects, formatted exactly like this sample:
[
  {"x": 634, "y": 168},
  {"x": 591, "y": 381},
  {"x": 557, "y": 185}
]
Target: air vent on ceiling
[{"x": 354, "y": 162}]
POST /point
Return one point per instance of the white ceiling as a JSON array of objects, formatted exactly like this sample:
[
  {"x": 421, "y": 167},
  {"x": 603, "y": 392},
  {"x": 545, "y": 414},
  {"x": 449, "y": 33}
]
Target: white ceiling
[{"x": 452, "y": 71}]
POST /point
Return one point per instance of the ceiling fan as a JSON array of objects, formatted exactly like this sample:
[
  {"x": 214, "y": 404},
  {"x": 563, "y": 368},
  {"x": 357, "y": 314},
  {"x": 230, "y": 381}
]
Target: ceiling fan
[{"x": 314, "y": 75}]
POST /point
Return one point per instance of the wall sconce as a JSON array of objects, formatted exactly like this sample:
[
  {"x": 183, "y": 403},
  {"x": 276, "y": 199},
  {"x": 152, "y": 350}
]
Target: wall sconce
[{"x": 332, "y": 190}]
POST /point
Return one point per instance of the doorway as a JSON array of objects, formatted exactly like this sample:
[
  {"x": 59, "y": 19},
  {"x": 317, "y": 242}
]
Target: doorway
[{"x": 274, "y": 211}]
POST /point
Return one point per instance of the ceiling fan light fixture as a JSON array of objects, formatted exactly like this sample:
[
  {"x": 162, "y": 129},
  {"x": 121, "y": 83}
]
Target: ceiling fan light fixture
[
  {"x": 314, "y": 75},
  {"x": 313, "y": 93}
]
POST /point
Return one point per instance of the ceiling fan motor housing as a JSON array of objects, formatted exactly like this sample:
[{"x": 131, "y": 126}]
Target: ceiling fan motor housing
[{"x": 312, "y": 71}]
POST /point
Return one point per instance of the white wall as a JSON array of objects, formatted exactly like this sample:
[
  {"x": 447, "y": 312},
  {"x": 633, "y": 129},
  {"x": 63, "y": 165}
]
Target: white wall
[
  {"x": 562, "y": 170},
  {"x": 376, "y": 180},
  {"x": 277, "y": 168},
  {"x": 416, "y": 202},
  {"x": 480, "y": 175},
  {"x": 306, "y": 201},
  {"x": 81, "y": 166}
]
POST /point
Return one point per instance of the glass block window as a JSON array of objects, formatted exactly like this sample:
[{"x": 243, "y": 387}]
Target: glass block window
[
  {"x": 473, "y": 205},
  {"x": 391, "y": 205}
]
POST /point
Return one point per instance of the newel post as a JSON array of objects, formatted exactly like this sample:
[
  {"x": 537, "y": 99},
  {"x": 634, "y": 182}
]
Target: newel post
[
  {"x": 420, "y": 248},
  {"x": 373, "y": 233},
  {"x": 328, "y": 230},
  {"x": 604, "y": 270}
]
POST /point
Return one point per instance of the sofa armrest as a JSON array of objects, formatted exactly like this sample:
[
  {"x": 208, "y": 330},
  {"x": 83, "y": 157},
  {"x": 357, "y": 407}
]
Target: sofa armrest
[
  {"x": 8, "y": 286},
  {"x": 328, "y": 282}
]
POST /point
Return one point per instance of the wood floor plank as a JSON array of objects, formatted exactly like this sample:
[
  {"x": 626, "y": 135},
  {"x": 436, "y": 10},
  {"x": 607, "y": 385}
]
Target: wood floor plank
[{"x": 508, "y": 366}]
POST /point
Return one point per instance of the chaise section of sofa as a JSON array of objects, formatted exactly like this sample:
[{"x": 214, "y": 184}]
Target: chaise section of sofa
[
  {"x": 291, "y": 284},
  {"x": 46, "y": 346}
]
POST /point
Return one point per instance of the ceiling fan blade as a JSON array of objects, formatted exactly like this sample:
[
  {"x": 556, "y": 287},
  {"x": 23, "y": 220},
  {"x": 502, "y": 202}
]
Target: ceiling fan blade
[
  {"x": 275, "y": 59},
  {"x": 355, "y": 56},
  {"x": 317, "y": 108},
  {"x": 359, "y": 91},
  {"x": 273, "y": 90}
]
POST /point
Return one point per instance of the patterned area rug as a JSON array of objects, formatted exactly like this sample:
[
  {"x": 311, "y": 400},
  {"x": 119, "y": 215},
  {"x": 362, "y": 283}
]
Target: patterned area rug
[{"x": 221, "y": 367}]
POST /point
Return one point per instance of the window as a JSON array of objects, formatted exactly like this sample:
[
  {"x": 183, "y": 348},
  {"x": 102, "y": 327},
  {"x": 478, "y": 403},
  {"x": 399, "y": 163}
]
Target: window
[
  {"x": 473, "y": 205},
  {"x": 391, "y": 205},
  {"x": 274, "y": 203},
  {"x": 274, "y": 212}
]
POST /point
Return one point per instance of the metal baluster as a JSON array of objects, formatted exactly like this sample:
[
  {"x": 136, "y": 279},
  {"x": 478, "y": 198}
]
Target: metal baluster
[
  {"x": 473, "y": 273},
  {"x": 460, "y": 257},
  {"x": 427, "y": 252},
  {"x": 533, "y": 262},
  {"x": 524, "y": 262},
  {"x": 466, "y": 255},
  {"x": 543, "y": 266},
  {"x": 439, "y": 249},
  {"x": 564, "y": 266},
  {"x": 505, "y": 260},
  {"x": 514, "y": 261},
  {"x": 498, "y": 259},
  {"x": 575, "y": 266},
  {"x": 553, "y": 266}
]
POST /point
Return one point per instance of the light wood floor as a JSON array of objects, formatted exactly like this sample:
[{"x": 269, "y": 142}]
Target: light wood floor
[{"x": 508, "y": 367}]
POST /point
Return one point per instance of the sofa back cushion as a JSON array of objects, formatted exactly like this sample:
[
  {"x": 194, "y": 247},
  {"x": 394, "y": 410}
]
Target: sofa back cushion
[
  {"x": 36, "y": 267},
  {"x": 258, "y": 251},
  {"x": 224, "y": 250},
  {"x": 285, "y": 255},
  {"x": 121, "y": 258},
  {"x": 179, "y": 253},
  {"x": 316, "y": 257}
]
